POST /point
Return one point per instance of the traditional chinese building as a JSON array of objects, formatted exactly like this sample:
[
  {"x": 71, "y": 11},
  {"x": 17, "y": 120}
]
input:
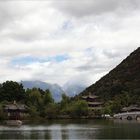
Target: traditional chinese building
[
  {"x": 131, "y": 108},
  {"x": 15, "y": 111},
  {"x": 93, "y": 101}
]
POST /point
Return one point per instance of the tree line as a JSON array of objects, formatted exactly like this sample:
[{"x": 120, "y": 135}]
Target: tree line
[{"x": 40, "y": 103}]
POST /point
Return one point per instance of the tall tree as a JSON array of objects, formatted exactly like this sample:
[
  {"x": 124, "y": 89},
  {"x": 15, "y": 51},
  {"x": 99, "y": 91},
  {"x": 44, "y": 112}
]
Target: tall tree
[
  {"x": 48, "y": 97},
  {"x": 11, "y": 91}
]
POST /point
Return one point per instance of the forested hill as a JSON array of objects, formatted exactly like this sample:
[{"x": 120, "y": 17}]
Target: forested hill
[{"x": 125, "y": 78}]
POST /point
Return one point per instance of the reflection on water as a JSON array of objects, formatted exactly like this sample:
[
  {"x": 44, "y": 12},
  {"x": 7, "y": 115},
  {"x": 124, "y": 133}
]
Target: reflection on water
[{"x": 74, "y": 129}]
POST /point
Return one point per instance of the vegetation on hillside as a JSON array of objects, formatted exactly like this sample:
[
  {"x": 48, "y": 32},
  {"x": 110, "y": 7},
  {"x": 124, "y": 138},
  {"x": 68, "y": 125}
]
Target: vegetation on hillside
[{"x": 121, "y": 86}]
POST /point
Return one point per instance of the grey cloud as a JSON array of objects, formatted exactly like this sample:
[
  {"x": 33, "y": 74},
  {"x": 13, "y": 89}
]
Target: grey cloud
[
  {"x": 11, "y": 15},
  {"x": 94, "y": 67},
  {"x": 102, "y": 60},
  {"x": 6, "y": 14},
  {"x": 10, "y": 12},
  {"x": 82, "y": 8},
  {"x": 24, "y": 36},
  {"x": 112, "y": 53}
]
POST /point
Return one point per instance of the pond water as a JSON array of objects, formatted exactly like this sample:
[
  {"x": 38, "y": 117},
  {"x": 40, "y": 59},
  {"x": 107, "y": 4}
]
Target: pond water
[{"x": 74, "y": 129}]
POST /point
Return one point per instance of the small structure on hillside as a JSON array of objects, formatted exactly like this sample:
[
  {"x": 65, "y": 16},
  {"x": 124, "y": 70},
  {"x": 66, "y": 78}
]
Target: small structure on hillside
[
  {"x": 15, "y": 111},
  {"x": 131, "y": 112},
  {"x": 131, "y": 108},
  {"x": 93, "y": 101}
]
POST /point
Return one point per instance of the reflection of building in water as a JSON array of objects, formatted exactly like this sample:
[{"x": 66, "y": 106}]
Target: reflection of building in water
[
  {"x": 64, "y": 134},
  {"x": 15, "y": 111},
  {"x": 26, "y": 132},
  {"x": 94, "y": 102}
]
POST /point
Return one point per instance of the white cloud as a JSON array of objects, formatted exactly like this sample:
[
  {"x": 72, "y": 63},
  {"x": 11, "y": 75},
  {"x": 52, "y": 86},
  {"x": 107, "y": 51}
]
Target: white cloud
[{"x": 96, "y": 35}]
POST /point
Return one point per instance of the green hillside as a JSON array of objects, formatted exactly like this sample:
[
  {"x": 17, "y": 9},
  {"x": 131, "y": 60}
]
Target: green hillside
[{"x": 122, "y": 81}]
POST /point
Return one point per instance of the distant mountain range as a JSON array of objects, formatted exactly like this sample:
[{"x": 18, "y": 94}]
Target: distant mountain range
[
  {"x": 55, "y": 89},
  {"x": 73, "y": 89},
  {"x": 124, "y": 78}
]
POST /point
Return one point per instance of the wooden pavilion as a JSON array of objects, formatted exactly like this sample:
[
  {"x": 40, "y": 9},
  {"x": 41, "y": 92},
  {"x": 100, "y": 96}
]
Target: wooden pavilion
[
  {"x": 93, "y": 101},
  {"x": 15, "y": 111}
]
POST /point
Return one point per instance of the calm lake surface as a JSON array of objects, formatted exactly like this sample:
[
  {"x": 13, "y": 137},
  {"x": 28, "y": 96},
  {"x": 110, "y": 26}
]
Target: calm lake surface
[{"x": 74, "y": 129}]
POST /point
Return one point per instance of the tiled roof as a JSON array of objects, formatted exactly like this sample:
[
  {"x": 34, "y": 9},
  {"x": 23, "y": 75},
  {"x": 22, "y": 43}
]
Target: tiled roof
[
  {"x": 95, "y": 103},
  {"x": 90, "y": 96},
  {"x": 129, "y": 108},
  {"x": 15, "y": 107}
]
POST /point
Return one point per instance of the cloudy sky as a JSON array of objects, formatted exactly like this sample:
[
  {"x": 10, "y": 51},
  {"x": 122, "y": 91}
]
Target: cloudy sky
[{"x": 66, "y": 41}]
